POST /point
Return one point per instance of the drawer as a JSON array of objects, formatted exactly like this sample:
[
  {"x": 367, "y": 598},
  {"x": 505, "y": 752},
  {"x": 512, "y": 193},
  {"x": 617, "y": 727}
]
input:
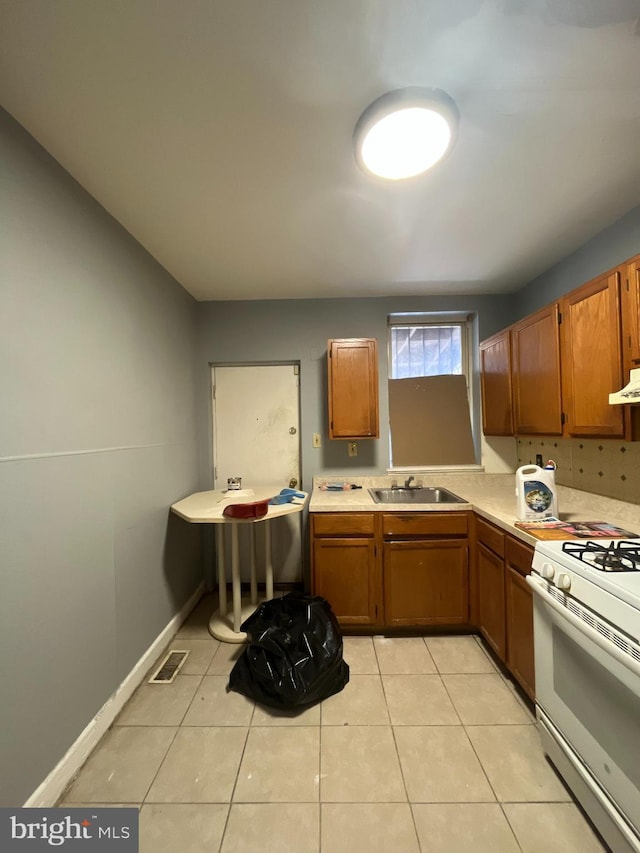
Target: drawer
[
  {"x": 424, "y": 524},
  {"x": 343, "y": 523},
  {"x": 490, "y": 536},
  {"x": 519, "y": 555}
]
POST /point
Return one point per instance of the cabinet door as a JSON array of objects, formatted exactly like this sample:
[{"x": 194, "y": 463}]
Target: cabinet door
[
  {"x": 353, "y": 388},
  {"x": 426, "y": 582},
  {"x": 535, "y": 343},
  {"x": 497, "y": 397},
  {"x": 592, "y": 358},
  {"x": 520, "y": 658},
  {"x": 344, "y": 572},
  {"x": 631, "y": 318},
  {"x": 491, "y": 600}
]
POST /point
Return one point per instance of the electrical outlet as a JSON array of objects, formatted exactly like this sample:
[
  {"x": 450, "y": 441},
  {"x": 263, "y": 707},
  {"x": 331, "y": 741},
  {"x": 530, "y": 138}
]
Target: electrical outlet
[
  {"x": 353, "y": 448},
  {"x": 316, "y": 439}
]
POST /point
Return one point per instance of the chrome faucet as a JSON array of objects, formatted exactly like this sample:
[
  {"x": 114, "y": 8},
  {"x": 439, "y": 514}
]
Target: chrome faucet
[{"x": 407, "y": 482}]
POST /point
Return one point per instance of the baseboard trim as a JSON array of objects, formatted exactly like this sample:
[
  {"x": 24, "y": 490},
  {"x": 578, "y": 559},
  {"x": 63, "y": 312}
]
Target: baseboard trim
[{"x": 50, "y": 791}]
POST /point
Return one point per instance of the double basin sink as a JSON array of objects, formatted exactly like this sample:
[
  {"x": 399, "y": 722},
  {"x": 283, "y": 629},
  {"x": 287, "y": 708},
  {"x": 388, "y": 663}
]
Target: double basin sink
[{"x": 417, "y": 495}]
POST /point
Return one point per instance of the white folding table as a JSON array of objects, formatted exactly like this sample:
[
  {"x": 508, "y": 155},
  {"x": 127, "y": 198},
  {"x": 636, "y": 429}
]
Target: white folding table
[{"x": 207, "y": 508}]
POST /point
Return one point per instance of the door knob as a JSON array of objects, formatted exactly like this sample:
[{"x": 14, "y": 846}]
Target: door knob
[{"x": 293, "y": 482}]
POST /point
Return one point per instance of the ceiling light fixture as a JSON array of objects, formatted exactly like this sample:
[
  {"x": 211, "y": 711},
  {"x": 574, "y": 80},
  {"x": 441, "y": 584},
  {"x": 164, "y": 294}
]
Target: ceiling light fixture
[{"x": 405, "y": 132}]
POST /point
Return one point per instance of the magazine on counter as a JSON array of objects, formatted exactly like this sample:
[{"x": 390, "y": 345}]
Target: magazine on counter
[{"x": 554, "y": 528}]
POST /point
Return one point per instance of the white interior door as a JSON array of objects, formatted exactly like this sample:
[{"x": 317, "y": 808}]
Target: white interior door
[{"x": 256, "y": 425}]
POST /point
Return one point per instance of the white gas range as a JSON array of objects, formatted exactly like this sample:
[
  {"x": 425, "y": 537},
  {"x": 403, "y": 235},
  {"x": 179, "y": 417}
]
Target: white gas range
[{"x": 587, "y": 659}]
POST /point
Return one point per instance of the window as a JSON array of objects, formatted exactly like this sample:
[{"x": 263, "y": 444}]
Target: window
[
  {"x": 425, "y": 350},
  {"x": 429, "y": 397}
]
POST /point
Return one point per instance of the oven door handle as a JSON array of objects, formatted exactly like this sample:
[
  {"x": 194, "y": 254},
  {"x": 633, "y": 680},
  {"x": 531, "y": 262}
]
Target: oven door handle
[{"x": 589, "y": 632}]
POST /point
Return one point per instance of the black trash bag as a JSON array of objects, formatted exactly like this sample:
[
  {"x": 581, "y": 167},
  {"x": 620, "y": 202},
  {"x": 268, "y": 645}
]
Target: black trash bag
[{"x": 294, "y": 655}]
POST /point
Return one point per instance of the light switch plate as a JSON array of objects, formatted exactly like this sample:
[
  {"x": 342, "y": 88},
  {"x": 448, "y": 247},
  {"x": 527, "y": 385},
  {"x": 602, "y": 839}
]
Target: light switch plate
[
  {"x": 316, "y": 439},
  {"x": 353, "y": 448}
]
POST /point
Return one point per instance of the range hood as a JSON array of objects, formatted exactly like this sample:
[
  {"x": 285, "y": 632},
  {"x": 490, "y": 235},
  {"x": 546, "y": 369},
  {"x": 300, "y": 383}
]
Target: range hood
[{"x": 630, "y": 393}]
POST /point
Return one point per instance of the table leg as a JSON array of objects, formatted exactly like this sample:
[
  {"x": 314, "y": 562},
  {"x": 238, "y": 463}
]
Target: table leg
[
  {"x": 235, "y": 577},
  {"x": 268, "y": 570},
  {"x": 254, "y": 580},
  {"x": 222, "y": 574}
]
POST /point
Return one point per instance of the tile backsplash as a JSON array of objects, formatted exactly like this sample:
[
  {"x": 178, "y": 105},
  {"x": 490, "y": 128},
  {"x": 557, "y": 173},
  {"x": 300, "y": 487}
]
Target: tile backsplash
[{"x": 602, "y": 466}]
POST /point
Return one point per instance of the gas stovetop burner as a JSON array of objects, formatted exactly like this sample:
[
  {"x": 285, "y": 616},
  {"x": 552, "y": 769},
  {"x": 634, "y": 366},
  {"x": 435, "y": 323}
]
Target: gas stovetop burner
[
  {"x": 609, "y": 562},
  {"x": 618, "y": 556}
]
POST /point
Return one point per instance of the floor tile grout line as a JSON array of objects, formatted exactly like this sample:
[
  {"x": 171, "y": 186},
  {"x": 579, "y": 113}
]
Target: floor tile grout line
[
  {"x": 193, "y": 698},
  {"x": 453, "y": 704},
  {"x": 475, "y": 752},
  {"x": 513, "y": 832},
  {"x": 226, "y": 825},
  {"x": 395, "y": 743},
  {"x": 433, "y": 660},
  {"x": 490, "y": 675},
  {"x": 117, "y": 724},
  {"x": 415, "y": 827},
  {"x": 430, "y": 674},
  {"x": 375, "y": 652},
  {"x": 242, "y": 754},
  {"x": 345, "y": 802},
  {"x": 404, "y": 785},
  {"x": 164, "y": 758}
]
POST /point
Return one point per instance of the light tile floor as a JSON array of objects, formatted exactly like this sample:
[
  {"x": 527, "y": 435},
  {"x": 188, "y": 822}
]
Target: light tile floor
[{"x": 428, "y": 748}]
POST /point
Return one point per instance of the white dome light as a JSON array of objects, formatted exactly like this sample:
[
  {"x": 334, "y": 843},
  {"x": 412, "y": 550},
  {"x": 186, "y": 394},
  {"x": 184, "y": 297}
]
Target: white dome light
[{"x": 405, "y": 132}]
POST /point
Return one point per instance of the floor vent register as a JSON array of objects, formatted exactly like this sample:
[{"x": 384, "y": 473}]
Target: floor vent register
[{"x": 169, "y": 668}]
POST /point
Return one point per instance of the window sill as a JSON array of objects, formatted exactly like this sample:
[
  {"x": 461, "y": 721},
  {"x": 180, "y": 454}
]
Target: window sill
[{"x": 438, "y": 469}]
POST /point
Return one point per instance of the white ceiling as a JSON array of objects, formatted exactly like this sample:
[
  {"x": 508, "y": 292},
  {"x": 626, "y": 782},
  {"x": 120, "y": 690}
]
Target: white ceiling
[{"x": 219, "y": 133}]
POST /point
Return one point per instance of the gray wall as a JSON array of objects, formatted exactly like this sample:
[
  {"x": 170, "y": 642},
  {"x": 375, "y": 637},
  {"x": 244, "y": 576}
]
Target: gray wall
[
  {"x": 298, "y": 330},
  {"x": 607, "y": 249},
  {"x": 97, "y": 438}
]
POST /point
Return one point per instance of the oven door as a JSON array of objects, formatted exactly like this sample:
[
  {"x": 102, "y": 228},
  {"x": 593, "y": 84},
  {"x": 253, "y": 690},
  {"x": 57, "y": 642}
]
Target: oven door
[{"x": 588, "y": 685}]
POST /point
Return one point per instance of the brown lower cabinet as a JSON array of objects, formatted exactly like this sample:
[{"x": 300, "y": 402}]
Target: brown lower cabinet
[
  {"x": 404, "y": 570},
  {"x": 392, "y": 569},
  {"x": 426, "y": 582},
  {"x": 519, "y": 614},
  {"x": 346, "y": 566},
  {"x": 491, "y": 607},
  {"x": 505, "y": 602}
]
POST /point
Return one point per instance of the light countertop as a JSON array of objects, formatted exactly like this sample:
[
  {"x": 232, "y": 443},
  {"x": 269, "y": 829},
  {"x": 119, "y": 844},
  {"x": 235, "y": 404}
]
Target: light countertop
[
  {"x": 207, "y": 507},
  {"x": 491, "y": 496}
]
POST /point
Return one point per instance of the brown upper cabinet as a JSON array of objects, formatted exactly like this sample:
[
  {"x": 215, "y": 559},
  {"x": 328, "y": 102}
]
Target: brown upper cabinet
[
  {"x": 592, "y": 358},
  {"x": 631, "y": 317},
  {"x": 565, "y": 360},
  {"x": 535, "y": 345},
  {"x": 353, "y": 388},
  {"x": 497, "y": 398}
]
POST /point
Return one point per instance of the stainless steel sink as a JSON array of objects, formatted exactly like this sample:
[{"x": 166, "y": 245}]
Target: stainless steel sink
[{"x": 419, "y": 495}]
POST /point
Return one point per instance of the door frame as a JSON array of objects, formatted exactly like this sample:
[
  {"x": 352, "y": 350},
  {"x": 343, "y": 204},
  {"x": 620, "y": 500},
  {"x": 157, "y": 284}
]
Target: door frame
[
  {"x": 295, "y": 363},
  {"x": 304, "y": 515}
]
